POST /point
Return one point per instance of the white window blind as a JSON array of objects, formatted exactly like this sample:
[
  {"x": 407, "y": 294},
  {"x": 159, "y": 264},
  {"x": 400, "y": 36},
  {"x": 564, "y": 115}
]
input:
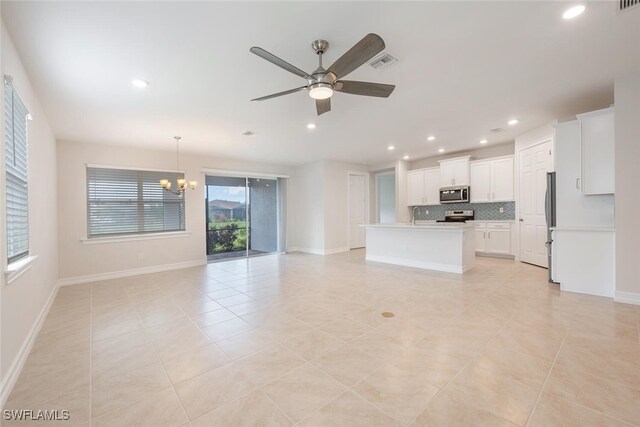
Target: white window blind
[
  {"x": 15, "y": 151},
  {"x": 122, "y": 201}
]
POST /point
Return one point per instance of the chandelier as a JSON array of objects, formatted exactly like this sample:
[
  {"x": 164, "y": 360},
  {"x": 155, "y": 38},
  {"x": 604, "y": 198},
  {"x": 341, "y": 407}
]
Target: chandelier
[{"x": 182, "y": 183}]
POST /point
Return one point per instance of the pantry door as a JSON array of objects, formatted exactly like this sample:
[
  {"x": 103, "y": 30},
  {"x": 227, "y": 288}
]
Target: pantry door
[{"x": 535, "y": 162}]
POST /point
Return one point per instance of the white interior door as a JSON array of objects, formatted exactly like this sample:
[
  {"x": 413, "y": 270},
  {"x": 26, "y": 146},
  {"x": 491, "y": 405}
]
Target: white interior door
[
  {"x": 357, "y": 211},
  {"x": 535, "y": 162}
]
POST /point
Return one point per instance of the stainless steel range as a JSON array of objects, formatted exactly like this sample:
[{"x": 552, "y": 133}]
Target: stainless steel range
[{"x": 457, "y": 216}]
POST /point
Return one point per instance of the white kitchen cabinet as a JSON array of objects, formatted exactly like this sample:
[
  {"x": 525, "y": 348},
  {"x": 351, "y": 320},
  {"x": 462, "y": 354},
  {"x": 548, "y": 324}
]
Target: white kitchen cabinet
[
  {"x": 498, "y": 240},
  {"x": 584, "y": 260},
  {"x": 415, "y": 187},
  {"x": 423, "y": 187},
  {"x": 493, "y": 238},
  {"x": 454, "y": 171},
  {"x": 480, "y": 178},
  {"x": 502, "y": 179},
  {"x": 597, "y": 149},
  {"x": 481, "y": 237},
  {"x": 432, "y": 185},
  {"x": 492, "y": 180}
]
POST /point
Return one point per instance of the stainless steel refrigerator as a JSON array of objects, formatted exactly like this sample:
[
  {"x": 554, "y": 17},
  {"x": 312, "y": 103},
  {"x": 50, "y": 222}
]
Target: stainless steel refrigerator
[{"x": 550, "y": 215}]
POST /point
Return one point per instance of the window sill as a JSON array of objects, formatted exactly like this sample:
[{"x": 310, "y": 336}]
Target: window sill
[
  {"x": 135, "y": 237},
  {"x": 16, "y": 269}
]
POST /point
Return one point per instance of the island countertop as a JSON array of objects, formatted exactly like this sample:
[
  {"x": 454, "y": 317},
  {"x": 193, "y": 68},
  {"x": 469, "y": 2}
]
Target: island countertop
[{"x": 424, "y": 226}]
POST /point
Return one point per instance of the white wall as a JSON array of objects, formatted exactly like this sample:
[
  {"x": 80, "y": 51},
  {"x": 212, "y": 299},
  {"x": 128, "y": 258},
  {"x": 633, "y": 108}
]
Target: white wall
[
  {"x": 78, "y": 259},
  {"x": 385, "y": 197},
  {"x": 306, "y": 217},
  {"x": 23, "y": 300},
  {"x": 483, "y": 152},
  {"x": 336, "y": 203},
  {"x": 627, "y": 203},
  {"x": 320, "y": 216},
  {"x": 402, "y": 210}
]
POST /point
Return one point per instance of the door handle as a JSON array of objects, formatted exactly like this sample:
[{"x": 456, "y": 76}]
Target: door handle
[
  {"x": 577, "y": 183},
  {"x": 484, "y": 234},
  {"x": 521, "y": 220},
  {"x": 488, "y": 198},
  {"x": 489, "y": 234}
]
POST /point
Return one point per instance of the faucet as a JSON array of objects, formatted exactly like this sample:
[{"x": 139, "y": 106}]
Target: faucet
[{"x": 413, "y": 215}]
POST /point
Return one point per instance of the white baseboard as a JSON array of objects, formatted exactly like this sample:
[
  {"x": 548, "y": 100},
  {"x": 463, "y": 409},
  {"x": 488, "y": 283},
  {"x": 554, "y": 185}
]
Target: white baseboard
[
  {"x": 128, "y": 273},
  {"x": 336, "y": 251},
  {"x": 627, "y": 297},
  {"x": 314, "y": 251},
  {"x": 488, "y": 255},
  {"x": 15, "y": 369},
  {"x": 418, "y": 264}
]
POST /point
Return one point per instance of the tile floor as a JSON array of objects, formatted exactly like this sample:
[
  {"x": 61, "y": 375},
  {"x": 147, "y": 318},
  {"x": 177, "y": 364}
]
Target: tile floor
[{"x": 300, "y": 339}]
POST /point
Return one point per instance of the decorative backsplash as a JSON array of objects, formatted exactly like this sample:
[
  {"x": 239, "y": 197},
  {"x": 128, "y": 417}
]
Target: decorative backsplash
[{"x": 482, "y": 211}]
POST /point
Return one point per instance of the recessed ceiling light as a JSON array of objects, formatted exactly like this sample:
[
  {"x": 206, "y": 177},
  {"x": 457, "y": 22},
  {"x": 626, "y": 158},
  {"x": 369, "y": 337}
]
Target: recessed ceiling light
[
  {"x": 391, "y": 148},
  {"x": 573, "y": 11},
  {"x": 140, "y": 83},
  {"x": 248, "y": 133},
  {"x": 483, "y": 141},
  {"x": 512, "y": 122},
  {"x": 406, "y": 157},
  {"x": 311, "y": 126},
  {"x": 440, "y": 150},
  {"x": 431, "y": 138}
]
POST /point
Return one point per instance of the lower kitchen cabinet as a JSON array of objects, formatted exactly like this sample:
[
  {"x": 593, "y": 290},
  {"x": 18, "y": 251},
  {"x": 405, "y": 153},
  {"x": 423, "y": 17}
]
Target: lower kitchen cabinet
[{"x": 493, "y": 238}]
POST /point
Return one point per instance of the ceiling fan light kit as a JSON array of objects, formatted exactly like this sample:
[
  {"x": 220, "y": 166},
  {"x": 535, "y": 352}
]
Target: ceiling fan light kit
[{"x": 323, "y": 83}]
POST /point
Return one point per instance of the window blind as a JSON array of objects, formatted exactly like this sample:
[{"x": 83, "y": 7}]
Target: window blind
[
  {"x": 122, "y": 201},
  {"x": 15, "y": 131}
]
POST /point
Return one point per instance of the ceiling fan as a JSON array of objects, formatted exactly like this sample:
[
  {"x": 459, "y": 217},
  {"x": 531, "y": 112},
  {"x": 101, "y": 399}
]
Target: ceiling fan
[{"x": 322, "y": 83}]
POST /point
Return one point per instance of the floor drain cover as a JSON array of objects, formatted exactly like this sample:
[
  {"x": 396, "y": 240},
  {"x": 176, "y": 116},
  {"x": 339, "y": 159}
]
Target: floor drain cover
[{"x": 387, "y": 314}]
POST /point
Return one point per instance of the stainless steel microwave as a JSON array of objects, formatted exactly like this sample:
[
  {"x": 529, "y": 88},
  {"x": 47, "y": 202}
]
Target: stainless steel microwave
[{"x": 457, "y": 194}]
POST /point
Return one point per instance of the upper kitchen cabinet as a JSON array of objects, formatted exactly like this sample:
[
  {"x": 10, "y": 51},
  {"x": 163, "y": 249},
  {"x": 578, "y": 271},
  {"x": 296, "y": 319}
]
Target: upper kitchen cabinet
[
  {"x": 454, "y": 171},
  {"x": 423, "y": 187},
  {"x": 492, "y": 180},
  {"x": 597, "y": 147}
]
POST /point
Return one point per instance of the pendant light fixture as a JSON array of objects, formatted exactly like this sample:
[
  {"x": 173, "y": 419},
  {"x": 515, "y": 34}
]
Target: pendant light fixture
[{"x": 182, "y": 183}]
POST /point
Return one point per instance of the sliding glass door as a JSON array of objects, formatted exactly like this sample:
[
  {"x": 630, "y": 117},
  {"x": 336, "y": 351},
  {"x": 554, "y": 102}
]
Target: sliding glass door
[{"x": 242, "y": 217}]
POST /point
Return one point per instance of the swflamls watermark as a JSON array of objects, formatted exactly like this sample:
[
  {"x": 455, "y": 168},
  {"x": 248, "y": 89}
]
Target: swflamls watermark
[{"x": 36, "y": 415}]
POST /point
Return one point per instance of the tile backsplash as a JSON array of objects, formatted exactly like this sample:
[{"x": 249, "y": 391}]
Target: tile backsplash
[{"x": 482, "y": 211}]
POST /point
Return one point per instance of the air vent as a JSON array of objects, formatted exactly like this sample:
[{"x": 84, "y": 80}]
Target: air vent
[
  {"x": 496, "y": 130},
  {"x": 248, "y": 133},
  {"x": 383, "y": 61},
  {"x": 626, "y": 4}
]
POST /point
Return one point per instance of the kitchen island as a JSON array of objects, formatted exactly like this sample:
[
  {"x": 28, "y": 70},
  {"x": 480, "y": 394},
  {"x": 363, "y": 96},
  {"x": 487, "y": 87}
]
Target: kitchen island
[{"x": 446, "y": 247}]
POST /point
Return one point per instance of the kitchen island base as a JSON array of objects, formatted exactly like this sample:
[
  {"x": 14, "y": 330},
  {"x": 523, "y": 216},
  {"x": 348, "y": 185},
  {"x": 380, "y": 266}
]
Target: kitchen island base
[{"x": 441, "y": 247}]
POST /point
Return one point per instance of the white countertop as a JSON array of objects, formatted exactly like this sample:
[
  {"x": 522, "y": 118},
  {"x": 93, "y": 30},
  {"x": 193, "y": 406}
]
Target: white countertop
[
  {"x": 491, "y": 220},
  {"x": 423, "y": 225},
  {"x": 568, "y": 228}
]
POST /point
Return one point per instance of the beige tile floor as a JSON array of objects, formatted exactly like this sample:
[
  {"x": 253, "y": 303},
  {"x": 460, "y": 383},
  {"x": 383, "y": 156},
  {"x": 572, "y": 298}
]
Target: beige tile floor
[{"x": 300, "y": 339}]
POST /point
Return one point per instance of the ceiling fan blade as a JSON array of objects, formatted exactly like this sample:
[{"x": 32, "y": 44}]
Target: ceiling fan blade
[
  {"x": 364, "y": 88},
  {"x": 279, "y": 62},
  {"x": 361, "y": 52},
  {"x": 275, "y": 95},
  {"x": 323, "y": 105}
]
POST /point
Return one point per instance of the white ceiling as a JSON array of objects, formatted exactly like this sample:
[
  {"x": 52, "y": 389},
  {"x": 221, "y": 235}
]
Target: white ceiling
[{"x": 465, "y": 68}]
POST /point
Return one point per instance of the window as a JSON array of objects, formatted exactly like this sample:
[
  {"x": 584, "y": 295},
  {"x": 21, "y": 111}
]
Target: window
[
  {"x": 15, "y": 152},
  {"x": 123, "y": 201}
]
